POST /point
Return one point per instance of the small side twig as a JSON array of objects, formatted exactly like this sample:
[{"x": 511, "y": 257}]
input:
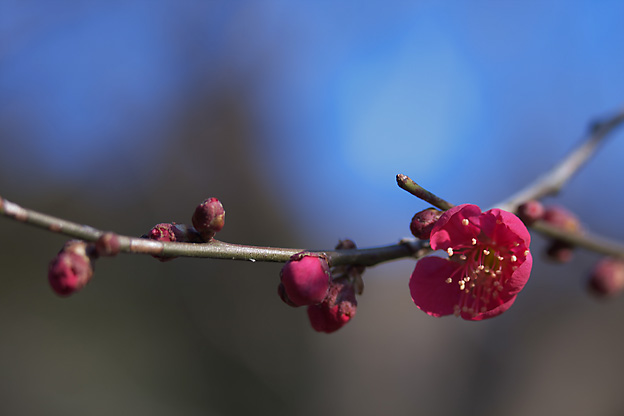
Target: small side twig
[{"x": 418, "y": 191}]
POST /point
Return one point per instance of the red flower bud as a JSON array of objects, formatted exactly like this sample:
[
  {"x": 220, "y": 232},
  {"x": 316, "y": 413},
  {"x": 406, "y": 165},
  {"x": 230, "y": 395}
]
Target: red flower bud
[
  {"x": 71, "y": 269},
  {"x": 209, "y": 218},
  {"x": 423, "y": 222},
  {"x": 166, "y": 232},
  {"x": 305, "y": 279},
  {"x": 336, "y": 310},
  {"x": 559, "y": 217},
  {"x": 607, "y": 278},
  {"x": 531, "y": 211},
  {"x": 562, "y": 218}
]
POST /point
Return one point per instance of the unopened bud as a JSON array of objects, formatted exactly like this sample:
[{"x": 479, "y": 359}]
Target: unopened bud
[
  {"x": 531, "y": 211},
  {"x": 338, "y": 308},
  {"x": 561, "y": 218},
  {"x": 607, "y": 277},
  {"x": 423, "y": 222},
  {"x": 167, "y": 232},
  {"x": 305, "y": 279},
  {"x": 209, "y": 218},
  {"x": 72, "y": 268}
]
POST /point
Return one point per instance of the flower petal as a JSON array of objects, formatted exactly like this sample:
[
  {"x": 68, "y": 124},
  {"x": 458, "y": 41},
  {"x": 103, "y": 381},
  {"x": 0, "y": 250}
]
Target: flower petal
[
  {"x": 513, "y": 223},
  {"x": 519, "y": 277},
  {"x": 492, "y": 312},
  {"x": 429, "y": 289},
  {"x": 450, "y": 230}
]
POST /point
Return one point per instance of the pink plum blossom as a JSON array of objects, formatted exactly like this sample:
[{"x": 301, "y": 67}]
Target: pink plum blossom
[{"x": 489, "y": 263}]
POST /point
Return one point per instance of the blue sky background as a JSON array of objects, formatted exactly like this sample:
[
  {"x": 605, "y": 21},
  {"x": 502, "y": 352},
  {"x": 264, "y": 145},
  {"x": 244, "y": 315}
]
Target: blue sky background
[{"x": 472, "y": 99}]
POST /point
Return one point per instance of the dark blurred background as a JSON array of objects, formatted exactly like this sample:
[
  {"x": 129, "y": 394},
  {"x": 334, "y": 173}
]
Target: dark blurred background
[{"x": 298, "y": 116}]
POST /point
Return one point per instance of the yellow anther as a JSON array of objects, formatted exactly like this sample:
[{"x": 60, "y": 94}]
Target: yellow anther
[
  {"x": 449, "y": 280},
  {"x": 465, "y": 221},
  {"x": 514, "y": 258},
  {"x": 486, "y": 252},
  {"x": 474, "y": 241},
  {"x": 449, "y": 251}
]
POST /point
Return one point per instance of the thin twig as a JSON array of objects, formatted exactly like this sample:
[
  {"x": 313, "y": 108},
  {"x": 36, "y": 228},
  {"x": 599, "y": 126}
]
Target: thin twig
[
  {"x": 214, "y": 249},
  {"x": 418, "y": 191},
  {"x": 552, "y": 182},
  {"x": 585, "y": 239}
]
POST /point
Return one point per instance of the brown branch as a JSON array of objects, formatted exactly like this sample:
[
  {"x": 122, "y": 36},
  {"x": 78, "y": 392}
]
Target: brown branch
[
  {"x": 584, "y": 239},
  {"x": 214, "y": 249}
]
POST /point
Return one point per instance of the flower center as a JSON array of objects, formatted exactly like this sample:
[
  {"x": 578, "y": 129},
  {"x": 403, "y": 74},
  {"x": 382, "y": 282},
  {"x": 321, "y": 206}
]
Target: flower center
[{"x": 486, "y": 267}]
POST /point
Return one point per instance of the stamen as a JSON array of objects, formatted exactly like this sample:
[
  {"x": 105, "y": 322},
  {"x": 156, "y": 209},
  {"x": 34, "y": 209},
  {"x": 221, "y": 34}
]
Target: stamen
[
  {"x": 474, "y": 241},
  {"x": 467, "y": 279},
  {"x": 462, "y": 285},
  {"x": 456, "y": 310},
  {"x": 449, "y": 280},
  {"x": 526, "y": 252},
  {"x": 465, "y": 221},
  {"x": 486, "y": 252},
  {"x": 462, "y": 257},
  {"x": 514, "y": 258},
  {"x": 449, "y": 251},
  {"x": 501, "y": 258}
]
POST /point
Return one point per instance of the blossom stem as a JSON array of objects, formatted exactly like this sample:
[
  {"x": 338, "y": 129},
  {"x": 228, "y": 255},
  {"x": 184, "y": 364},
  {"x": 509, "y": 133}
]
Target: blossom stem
[
  {"x": 214, "y": 249},
  {"x": 406, "y": 183}
]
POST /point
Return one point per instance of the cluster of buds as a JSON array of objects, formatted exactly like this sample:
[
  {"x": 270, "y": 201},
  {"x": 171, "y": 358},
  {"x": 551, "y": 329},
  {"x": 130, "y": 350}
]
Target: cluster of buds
[
  {"x": 307, "y": 280},
  {"x": 559, "y": 217},
  {"x": 606, "y": 278},
  {"x": 72, "y": 268},
  {"x": 208, "y": 219}
]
